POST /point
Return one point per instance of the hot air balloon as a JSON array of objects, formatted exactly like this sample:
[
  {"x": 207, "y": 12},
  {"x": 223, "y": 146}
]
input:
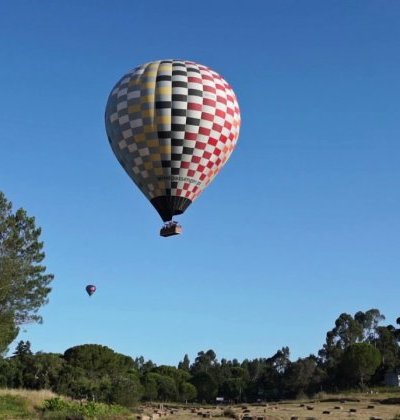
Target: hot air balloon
[
  {"x": 90, "y": 289},
  {"x": 172, "y": 125}
]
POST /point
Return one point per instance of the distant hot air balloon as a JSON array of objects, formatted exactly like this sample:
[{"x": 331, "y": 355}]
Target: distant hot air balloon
[
  {"x": 172, "y": 125},
  {"x": 90, "y": 289}
]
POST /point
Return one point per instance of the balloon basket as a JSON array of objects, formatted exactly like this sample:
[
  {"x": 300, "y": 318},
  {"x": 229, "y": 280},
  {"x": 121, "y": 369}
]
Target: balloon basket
[{"x": 170, "y": 230}]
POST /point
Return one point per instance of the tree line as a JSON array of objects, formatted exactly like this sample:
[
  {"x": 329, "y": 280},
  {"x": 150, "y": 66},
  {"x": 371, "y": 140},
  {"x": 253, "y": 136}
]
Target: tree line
[{"x": 357, "y": 352}]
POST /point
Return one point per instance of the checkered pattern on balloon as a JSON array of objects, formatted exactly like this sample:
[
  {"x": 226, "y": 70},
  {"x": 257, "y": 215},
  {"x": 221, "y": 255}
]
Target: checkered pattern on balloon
[{"x": 172, "y": 125}]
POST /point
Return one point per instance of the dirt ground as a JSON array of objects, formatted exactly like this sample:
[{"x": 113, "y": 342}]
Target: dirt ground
[{"x": 365, "y": 409}]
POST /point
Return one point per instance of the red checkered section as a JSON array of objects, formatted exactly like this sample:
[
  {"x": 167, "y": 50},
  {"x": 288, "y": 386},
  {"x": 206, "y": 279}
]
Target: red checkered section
[{"x": 216, "y": 136}]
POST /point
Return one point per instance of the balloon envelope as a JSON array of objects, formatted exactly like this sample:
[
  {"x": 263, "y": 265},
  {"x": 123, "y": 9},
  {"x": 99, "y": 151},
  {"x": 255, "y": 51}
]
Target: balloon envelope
[
  {"x": 172, "y": 125},
  {"x": 90, "y": 289}
]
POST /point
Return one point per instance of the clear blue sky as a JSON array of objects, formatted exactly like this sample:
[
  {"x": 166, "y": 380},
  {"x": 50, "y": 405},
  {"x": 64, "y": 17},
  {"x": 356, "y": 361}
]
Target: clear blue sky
[{"x": 301, "y": 225}]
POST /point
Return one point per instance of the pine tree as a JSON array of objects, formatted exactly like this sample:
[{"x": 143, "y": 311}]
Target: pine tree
[{"x": 24, "y": 283}]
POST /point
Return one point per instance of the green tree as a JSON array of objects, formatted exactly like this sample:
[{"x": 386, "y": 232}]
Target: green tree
[
  {"x": 72, "y": 382},
  {"x": 187, "y": 392},
  {"x": 347, "y": 331},
  {"x": 142, "y": 366},
  {"x": 23, "y": 349},
  {"x": 178, "y": 375},
  {"x": 280, "y": 360},
  {"x": 165, "y": 387},
  {"x": 255, "y": 369},
  {"x": 185, "y": 363},
  {"x": 181, "y": 378},
  {"x": 359, "y": 363},
  {"x": 386, "y": 343},
  {"x": 304, "y": 376},
  {"x": 8, "y": 329},
  {"x": 24, "y": 283},
  {"x": 204, "y": 362},
  {"x": 369, "y": 321},
  {"x": 150, "y": 387},
  {"x": 125, "y": 390},
  {"x": 97, "y": 360},
  {"x": 21, "y": 360},
  {"x": 42, "y": 370},
  {"x": 223, "y": 371},
  {"x": 232, "y": 389},
  {"x": 7, "y": 373},
  {"x": 270, "y": 382},
  {"x": 98, "y": 373},
  {"x": 206, "y": 386}
]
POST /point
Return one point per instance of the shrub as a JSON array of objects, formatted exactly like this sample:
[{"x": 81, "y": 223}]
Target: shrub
[{"x": 58, "y": 406}]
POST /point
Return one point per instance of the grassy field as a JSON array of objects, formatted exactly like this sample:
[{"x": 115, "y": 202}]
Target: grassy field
[
  {"x": 16, "y": 404},
  {"x": 23, "y": 404}
]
